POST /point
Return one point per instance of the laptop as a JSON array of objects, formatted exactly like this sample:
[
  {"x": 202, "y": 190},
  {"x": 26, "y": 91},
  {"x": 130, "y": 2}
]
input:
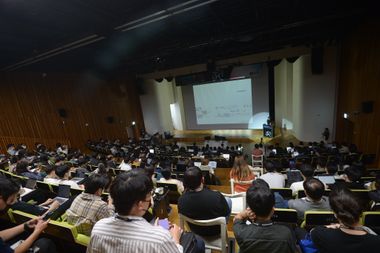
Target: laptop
[
  {"x": 327, "y": 179},
  {"x": 63, "y": 193}
]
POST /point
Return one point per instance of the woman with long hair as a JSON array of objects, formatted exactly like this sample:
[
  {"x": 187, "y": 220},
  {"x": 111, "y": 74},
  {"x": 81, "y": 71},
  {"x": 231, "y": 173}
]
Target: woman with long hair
[{"x": 241, "y": 174}]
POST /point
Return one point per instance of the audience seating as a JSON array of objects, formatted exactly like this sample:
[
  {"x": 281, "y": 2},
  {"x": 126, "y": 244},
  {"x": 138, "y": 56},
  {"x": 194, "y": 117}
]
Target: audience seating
[
  {"x": 301, "y": 193},
  {"x": 258, "y": 171},
  {"x": 233, "y": 182},
  {"x": 238, "y": 202},
  {"x": 372, "y": 220},
  {"x": 286, "y": 193},
  {"x": 258, "y": 160},
  {"x": 318, "y": 218},
  {"x": 211, "y": 242},
  {"x": 285, "y": 216},
  {"x": 173, "y": 193},
  {"x": 58, "y": 229},
  {"x": 44, "y": 186}
]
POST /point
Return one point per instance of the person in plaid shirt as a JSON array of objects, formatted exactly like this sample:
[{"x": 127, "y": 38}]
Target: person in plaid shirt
[{"x": 88, "y": 207}]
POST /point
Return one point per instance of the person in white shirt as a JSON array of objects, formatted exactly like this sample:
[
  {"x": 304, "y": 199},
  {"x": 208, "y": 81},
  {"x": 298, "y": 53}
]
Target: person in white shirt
[
  {"x": 272, "y": 177},
  {"x": 307, "y": 171},
  {"x": 128, "y": 231},
  {"x": 166, "y": 173},
  {"x": 124, "y": 165}
]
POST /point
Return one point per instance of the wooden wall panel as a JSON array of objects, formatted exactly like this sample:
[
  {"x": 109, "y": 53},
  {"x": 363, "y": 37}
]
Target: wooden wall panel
[
  {"x": 29, "y": 104},
  {"x": 359, "y": 81}
]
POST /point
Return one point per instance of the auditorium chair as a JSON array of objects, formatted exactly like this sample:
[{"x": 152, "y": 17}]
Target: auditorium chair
[
  {"x": 238, "y": 202},
  {"x": 258, "y": 161},
  {"x": 218, "y": 243},
  {"x": 233, "y": 182},
  {"x": 286, "y": 193},
  {"x": 372, "y": 220},
  {"x": 173, "y": 193},
  {"x": 318, "y": 218},
  {"x": 285, "y": 216},
  {"x": 61, "y": 230}
]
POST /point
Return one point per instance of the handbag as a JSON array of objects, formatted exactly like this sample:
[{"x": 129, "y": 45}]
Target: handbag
[{"x": 307, "y": 245}]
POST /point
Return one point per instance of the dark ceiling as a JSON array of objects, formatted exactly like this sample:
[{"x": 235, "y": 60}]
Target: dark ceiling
[{"x": 83, "y": 35}]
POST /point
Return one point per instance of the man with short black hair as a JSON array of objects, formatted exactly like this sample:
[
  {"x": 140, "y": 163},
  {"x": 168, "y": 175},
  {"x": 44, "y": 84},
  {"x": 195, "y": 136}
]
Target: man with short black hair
[
  {"x": 307, "y": 171},
  {"x": 261, "y": 235},
  {"x": 89, "y": 207},
  {"x": 201, "y": 203},
  {"x": 314, "y": 200},
  {"x": 8, "y": 196},
  {"x": 273, "y": 177},
  {"x": 128, "y": 231}
]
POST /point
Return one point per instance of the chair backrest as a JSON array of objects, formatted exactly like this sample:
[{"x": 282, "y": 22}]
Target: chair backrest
[
  {"x": 258, "y": 171},
  {"x": 286, "y": 193},
  {"x": 239, "y": 202},
  {"x": 257, "y": 159},
  {"x": 301, "y": 193},
  {"x": 173, "y": 193},
  {"x": 61, "y": 230},
  {"x": 372, "y": 220},
  {"x": 44, "y": 186},
  {"x": 219, "y": 243},
  {"x": 318, "y": 218},
  {"x": 233, "y": 182},
  {"x": 286, "y": 216}
]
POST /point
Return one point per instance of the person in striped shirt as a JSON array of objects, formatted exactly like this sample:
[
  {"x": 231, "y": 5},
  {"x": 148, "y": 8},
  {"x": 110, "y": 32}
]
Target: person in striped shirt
[{"x": 128, "y": 231}]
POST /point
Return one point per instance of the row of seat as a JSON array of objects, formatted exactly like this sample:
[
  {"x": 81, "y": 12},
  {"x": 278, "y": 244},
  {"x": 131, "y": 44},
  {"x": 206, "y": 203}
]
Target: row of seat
[
  {"x": 283, "y": 216},
  {"x": 58, "y": 229}
]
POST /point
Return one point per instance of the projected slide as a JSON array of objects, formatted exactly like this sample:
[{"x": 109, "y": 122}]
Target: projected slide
[{"x": 223, "y": 103}]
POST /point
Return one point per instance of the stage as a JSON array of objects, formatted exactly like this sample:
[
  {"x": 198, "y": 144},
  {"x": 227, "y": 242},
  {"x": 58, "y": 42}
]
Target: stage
[
  {"x": 232, "y": 136},
  {"x": 246, "y": 137}
]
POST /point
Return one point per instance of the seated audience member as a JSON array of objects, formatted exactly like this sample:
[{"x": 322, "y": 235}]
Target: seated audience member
[
  {"x": 88, "y": 207},
  {"x": 352, "y": 178},
  {"x": 262, "y": 235},
  {"x": 103, "y": 171},
  {"x": 124, "y": 165},
  {"x": 307, "y": 171},
  {"x": 62, "y": 172},
  {"x": 257, "y": 152},
  {"x": 22, "y": 170},
  {"x": 314, "y": 200},
  {"x": 375, "y": 194},
  {"x": 272, "y": 177},
  {"x": 349, "y": 235},
  {"x": 198, "y": 202},
  {"x": 50, "y": 172},
  {"x": 241, "y": 174},
  {"x": 205, "y": 167},
  {"x": 166, "y": 178},
  {"x": 331, "y": 170},
  {"x": 128, "y": 231},
  {"x": 280, "y": 202},
  {"x": 8, "y": 196}
]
